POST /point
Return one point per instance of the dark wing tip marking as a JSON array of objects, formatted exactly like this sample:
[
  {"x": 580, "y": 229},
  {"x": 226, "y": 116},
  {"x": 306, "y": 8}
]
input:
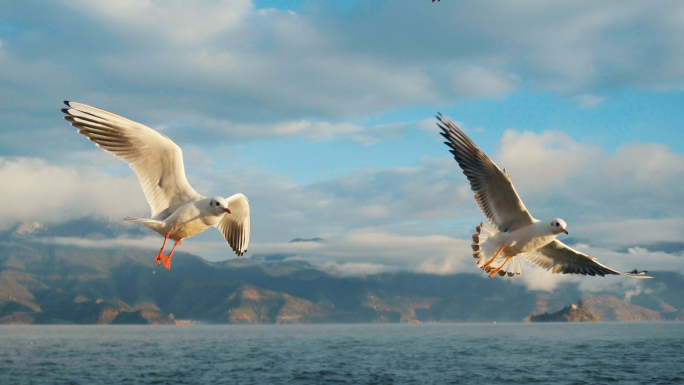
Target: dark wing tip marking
[{"x": 639, "y": 274}]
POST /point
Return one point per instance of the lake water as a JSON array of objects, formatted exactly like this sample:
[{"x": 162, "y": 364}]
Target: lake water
[{"x": 524, "y": 353}]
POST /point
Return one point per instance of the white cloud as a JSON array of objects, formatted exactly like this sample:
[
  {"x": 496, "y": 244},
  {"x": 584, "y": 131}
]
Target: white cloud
[
  {"x": 613, "y": 198},
  {"x": 589, "y": 100},
  {"x": 369, "y": 251},
  {"x": 543, "y": 161},
  {"x": 475, "y": 82},
  {"x": 416, "y": 218},
  {"x": 36, "y": 190},
  {"x": 148, "y": 242},
  {"x": 310, "y": 72},
  {"x": 634, "y": 231},
  {"x": 354, "y": 268},
  {"x": 603, "y": 203},
  {"x": 647, "y": 163},
  {"x": 639, "y": 183},
  {"x": 212, "y": 131},
  {"x": 315, "y": 131},
  {"x": 536, "y": 278},
  {"x": 375, "y": 211},
  {"x": 184, "y": 21}
]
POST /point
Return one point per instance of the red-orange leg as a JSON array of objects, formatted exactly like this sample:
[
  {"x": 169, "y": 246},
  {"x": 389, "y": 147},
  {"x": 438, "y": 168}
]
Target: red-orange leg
[
  {"x": 492, "y": 260},
  {"x": 161, "y": 252},
  {"x": 494, "y": 271},
  {"x": 167, "y": 258}
]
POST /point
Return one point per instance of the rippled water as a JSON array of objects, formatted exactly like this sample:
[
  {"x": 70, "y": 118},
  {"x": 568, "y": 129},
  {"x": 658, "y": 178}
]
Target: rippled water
[{"x": 636, "y": 353}]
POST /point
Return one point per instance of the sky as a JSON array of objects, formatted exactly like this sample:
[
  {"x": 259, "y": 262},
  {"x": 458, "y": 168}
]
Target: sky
[{"x": 322, "y": 113}]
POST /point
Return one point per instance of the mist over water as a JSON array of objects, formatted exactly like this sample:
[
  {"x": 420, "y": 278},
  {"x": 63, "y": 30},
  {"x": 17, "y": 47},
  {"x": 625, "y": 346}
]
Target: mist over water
[{"x": 555, "y": 353}]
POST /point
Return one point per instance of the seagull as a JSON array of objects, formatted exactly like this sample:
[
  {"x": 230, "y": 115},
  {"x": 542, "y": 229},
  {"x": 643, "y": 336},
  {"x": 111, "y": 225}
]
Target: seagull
[
  {"x": 178, "y": 211},
  {"x": 512, "y": 233}
]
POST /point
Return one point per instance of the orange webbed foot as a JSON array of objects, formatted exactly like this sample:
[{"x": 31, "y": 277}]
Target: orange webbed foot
[
  {"x": 158, "y": 259},
  {"x": 167, "y": 261}
]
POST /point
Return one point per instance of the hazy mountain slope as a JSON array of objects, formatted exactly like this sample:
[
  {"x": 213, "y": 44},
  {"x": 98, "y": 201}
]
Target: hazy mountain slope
[{"x": 47, "y": 283}]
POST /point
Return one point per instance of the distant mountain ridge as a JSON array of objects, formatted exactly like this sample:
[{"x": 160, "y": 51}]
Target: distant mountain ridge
[
  {"x": 319, "y": 240},
  {"x": 49, "y": 283},
  {"x": 88, "y": 228}
]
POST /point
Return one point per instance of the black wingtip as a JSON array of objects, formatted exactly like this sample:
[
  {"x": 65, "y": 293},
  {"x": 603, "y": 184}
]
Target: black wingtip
[{"x": 67, "y": 103}]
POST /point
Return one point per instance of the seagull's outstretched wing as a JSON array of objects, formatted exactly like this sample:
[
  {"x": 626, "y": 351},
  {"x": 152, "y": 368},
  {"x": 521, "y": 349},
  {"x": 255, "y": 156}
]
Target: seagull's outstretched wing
[
  {"x": 156, "y": 159},
  {"x": 559, "y": 258},
  {"x": 494, "y": 191},
  {"x": 235, "y": 226}
]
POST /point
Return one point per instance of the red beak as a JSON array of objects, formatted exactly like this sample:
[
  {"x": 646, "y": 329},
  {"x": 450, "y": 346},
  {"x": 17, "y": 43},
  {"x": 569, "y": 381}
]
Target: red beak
[
  {"x": 565, "y": 231},
  {"x": 228, "y": 211}
]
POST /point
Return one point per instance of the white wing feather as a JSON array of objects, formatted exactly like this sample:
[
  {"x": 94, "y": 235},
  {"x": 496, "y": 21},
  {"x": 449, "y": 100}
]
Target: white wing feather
[
  {"x": 235, "y": 226},
  {"x": 156, "y": 159},
  {"x": 494, "y": 191},
  {"x": 559, "y": 258}
]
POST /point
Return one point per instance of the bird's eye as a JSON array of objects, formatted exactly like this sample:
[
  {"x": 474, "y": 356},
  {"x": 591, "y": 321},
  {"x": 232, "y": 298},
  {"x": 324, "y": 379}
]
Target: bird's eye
[
  {"x": 557, "y": 224},
  {"x": 217, "y": 203}
]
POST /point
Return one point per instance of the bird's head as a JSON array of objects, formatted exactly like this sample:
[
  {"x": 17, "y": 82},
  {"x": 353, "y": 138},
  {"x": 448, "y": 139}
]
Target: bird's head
[
  {"x": 558, "y": 226},
  {"x": 218, "y": 205}
]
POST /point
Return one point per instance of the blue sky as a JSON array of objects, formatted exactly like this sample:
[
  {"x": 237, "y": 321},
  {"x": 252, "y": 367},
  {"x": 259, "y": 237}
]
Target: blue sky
[{"x": 322, "y": 113}]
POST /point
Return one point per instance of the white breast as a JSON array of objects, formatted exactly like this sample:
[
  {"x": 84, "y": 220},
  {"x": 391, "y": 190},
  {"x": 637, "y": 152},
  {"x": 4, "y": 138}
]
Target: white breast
[
  {"x": 189, "y": 220},
  {"x": 529, "y": 238}
]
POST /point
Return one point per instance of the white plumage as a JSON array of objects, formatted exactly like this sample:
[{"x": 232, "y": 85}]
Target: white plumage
[
  {"x": 177, "y": 210},
  {"x": 512, "y": 233}
]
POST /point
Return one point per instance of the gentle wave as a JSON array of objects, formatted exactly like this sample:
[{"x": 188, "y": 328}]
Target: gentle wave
[{"x": 557, "y": 353}]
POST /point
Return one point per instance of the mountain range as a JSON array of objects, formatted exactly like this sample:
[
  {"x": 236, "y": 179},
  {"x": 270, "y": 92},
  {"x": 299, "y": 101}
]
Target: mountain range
[{"x": 43, "y": 282}]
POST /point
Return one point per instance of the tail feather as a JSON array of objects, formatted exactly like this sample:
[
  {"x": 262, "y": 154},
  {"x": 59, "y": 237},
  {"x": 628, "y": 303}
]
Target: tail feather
[
  {"x": 483, "y": 232},
  {"x": 151, "y": 223},
  {"x": 483, "y": 251}
]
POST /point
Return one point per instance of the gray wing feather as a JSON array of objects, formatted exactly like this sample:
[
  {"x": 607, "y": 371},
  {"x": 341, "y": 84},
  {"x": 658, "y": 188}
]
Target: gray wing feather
[
  {"x": 156, "y": 159},
  {"x": 559, "y": 258},
  {"x": 494, "y": 191},
  {"x": 235, "y": 226}
]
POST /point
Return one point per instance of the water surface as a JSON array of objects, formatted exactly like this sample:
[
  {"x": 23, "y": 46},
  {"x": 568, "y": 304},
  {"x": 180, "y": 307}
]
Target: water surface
[{"x": 522, "y": 353}]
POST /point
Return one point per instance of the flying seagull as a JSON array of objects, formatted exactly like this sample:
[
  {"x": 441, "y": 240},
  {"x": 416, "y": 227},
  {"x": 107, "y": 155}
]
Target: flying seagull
[
  {"x": 512, "y": 234},
  {"x": 178, "y": 211}
]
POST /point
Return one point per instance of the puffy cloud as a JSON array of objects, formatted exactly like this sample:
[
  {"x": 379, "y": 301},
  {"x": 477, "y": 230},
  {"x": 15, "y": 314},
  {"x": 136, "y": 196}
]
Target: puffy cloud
[
  {"x": 633, "y": 231},
  {"x": 612, "y": 202},
  {"x": 599, "y": 195},
  {"x": 230, "y": 63},
  {"x": 474, "y": 82},
  {"x": 416, "y": 218},
  {"x": 646, "y": 163},
  {"x": 36, "y": 190},
  {"x": 185, "y": 22},
  {"x": 574, "y": 48},
  {"x": 368, "y": 251},
  {"x": 641, "y": 182},
  {"x": 541, "y": 162},
  {"x": 535, "y": 278},
  {"x": 212, "y": 132},
  {"x": 141, "y": 243}
]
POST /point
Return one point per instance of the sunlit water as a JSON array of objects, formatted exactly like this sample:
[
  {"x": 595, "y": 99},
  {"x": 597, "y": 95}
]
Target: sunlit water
[{"x": 558, "y": 353}]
